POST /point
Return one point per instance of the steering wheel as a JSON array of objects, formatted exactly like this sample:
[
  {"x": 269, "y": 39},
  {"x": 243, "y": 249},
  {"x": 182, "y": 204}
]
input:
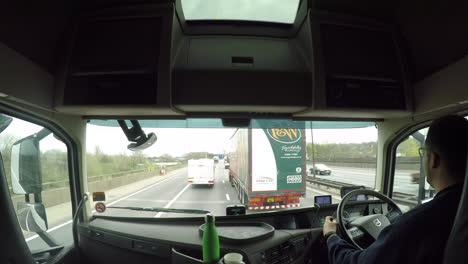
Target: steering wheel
[{"x": 369, "y": 226}]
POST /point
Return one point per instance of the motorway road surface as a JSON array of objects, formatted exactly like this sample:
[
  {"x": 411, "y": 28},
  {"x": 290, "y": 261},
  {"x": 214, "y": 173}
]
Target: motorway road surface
[
  {"x": 366, "y": 177},
  {"x": 176, "y": 192}
]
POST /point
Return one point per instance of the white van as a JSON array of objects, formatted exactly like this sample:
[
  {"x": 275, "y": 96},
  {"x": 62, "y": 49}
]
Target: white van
[{"x": 201, "y": 171}]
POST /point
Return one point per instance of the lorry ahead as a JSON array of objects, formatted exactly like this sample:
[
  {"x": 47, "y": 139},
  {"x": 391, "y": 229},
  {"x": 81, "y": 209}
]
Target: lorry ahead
[
  {"x": 201, "y": 171},
  {"x": 268, "y": 166}
]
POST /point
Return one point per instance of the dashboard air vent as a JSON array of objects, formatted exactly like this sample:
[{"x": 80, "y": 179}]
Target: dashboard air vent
[
  {"x": 278, "y": 254},
  {"x": 299, "y": 244},
  {"x": 144, "y": 246},
  {"x": 271, "y": 255}
]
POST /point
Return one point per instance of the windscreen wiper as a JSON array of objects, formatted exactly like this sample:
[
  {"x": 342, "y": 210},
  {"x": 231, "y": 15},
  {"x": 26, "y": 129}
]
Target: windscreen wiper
[{"x": 163, "y": 210}]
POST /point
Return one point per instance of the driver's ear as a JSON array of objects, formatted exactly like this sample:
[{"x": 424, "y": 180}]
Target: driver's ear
[{"x": 434, "y": 160}]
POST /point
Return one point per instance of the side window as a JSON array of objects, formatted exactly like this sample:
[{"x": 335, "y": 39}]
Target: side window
[
  {"x": 36, "y": 168},
  {"x": 410, "y": 187}
]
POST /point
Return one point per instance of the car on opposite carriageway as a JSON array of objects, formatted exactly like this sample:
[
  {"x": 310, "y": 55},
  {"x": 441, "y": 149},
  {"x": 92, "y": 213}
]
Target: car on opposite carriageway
[{"x": 320, "y": 169}]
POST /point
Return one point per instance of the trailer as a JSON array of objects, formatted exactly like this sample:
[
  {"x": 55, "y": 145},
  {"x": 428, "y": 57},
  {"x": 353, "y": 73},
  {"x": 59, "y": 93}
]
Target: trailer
[{"x": 268, "y": 166}]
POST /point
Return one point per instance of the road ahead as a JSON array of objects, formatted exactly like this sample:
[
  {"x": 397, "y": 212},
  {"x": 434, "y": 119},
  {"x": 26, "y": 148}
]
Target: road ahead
[{"x": 175, "y": 192}]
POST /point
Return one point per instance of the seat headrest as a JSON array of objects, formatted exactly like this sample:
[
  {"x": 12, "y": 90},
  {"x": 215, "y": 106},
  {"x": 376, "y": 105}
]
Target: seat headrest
[{"x": 455, "y": 249}]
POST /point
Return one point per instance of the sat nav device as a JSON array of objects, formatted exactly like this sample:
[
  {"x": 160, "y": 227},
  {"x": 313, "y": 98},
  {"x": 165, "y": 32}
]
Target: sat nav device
[
  {"x": 346, "y": 189},
  {"x": 235, "y": 210},
  {"x": 323, "y": 199}
]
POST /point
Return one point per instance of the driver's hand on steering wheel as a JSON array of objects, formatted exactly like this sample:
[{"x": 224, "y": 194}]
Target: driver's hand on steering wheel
[{"x": 330, "y": 225}]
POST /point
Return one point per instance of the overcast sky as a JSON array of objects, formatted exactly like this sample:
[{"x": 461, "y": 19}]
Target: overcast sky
[
  {"x": 20, "y": 129},
  {"x": 177, "y": 141},
  {"x": 283, "y": 11}
]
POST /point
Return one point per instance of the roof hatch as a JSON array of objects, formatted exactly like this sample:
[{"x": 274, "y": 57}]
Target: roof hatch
[{"x": 272, "y": 11}]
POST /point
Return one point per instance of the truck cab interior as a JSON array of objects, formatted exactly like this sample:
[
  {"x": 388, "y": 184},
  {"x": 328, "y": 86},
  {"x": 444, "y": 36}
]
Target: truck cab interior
[{"x": 78, "y": 78}]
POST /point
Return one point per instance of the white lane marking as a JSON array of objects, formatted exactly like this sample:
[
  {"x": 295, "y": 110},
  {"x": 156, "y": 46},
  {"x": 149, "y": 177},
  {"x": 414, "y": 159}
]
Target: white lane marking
[
  {"x": 70, "y": 221},
  {"x": 223, "y": 181},
  {"x": 324, "y": 193},
  {"x": 173, "y": 200},
  {"x": 137, "y": 192},
  {"x": 227, "y": 197}
]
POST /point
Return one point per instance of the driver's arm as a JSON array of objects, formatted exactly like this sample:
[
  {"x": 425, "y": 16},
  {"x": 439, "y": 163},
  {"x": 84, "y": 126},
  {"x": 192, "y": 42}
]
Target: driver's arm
[{"x": 386, "y": 249}]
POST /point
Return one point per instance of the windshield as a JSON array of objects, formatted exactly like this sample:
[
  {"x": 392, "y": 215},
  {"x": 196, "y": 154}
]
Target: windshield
[
  {"x": 202, "y": 166},
  {"x": 276, "y": 11}
]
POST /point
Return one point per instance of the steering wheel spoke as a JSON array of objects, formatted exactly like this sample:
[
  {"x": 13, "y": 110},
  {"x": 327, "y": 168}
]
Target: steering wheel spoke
[
  {"x": 372, "y": 224},
  {"x": 355, "y": 233},
  {"x": 369, "y": 226},
  {"x": 393, "y": 215}
]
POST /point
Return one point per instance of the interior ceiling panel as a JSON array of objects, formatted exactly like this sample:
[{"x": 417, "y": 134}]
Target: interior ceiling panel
[
  {"x": 33, "y": 28},
  {"x": 436, "y": 33},
  {"x": 381, "y": 9},
  {"x": 89, "y": 4}
]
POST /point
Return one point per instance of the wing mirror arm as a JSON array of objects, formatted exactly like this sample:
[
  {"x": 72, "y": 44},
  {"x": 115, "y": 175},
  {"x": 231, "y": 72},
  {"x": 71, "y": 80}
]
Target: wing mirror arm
[{"x": 42, "y": 134}]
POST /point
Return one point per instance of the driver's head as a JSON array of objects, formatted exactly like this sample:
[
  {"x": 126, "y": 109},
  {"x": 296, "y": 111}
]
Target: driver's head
[{"x": 445, "y": 151}]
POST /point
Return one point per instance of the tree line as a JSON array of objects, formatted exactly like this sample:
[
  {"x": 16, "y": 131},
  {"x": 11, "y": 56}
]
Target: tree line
[
  {"x": 100, "y": 163},
  {"x": 54, "y": 163},
  {"x": 185, "y": 157},
  {"x": 366, "y": 150}
]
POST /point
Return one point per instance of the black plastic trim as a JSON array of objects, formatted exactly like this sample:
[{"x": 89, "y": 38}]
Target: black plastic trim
[
  {"x": 200, "y": 219},
  {"x": 126, "y": 242}
]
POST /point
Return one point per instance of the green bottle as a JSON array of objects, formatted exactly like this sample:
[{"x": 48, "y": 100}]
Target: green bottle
[{"x": 210, "y": 240}]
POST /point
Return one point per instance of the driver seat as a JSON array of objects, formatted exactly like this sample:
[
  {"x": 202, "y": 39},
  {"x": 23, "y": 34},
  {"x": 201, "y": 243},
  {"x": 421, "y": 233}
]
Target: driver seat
[{"x": 457, "y": 244}]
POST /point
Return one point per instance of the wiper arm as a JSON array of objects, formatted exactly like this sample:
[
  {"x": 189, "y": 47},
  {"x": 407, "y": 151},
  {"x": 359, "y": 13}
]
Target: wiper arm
[{"x": 160, "y": 209}]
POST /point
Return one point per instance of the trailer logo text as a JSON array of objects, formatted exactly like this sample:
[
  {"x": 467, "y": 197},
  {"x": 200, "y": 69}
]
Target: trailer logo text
[{"x": 285, "y": 135}]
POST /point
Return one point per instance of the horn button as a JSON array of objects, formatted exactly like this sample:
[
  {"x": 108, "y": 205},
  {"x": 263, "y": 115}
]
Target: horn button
[{"x": 371, "y": 224}]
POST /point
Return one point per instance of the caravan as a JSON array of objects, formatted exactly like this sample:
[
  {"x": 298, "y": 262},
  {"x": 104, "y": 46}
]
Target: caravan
[{"x": 201, "y": 171}]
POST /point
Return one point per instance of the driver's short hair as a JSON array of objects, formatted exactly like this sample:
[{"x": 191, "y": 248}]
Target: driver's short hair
[{"x": 448, "y": 138}]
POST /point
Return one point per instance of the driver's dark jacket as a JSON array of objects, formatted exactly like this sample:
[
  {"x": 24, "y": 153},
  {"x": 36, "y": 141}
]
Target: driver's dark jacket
[{"x": 418, "y": 236}]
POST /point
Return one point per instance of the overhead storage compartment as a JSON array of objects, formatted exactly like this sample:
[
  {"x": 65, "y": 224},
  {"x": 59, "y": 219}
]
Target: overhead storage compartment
[
  {"x": 118, "y": 58},
  {"x": 240, "y": 74},
  {"x": 115, "y": 62},
  {"x": 139, "y": 61},
  {"x": 359, "y": 68}
]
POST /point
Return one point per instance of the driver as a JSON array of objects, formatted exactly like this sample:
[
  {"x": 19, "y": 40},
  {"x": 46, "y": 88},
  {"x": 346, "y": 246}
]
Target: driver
[{"x": 420, "y": 235}]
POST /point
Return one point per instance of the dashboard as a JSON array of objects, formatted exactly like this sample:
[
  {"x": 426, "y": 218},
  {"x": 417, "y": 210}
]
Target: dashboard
[{"x": 297, "y": 237}]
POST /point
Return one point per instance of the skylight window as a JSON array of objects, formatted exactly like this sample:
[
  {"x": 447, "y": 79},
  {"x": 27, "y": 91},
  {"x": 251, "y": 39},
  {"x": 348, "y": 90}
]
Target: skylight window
[{"x": 275, "y": 11}]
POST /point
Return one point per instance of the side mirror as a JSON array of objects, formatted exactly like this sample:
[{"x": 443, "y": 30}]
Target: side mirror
[
  {"x": 5, "y": 121},
  {"x": 32, "y": 217},
  {"x": 26, "y": 176}
]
